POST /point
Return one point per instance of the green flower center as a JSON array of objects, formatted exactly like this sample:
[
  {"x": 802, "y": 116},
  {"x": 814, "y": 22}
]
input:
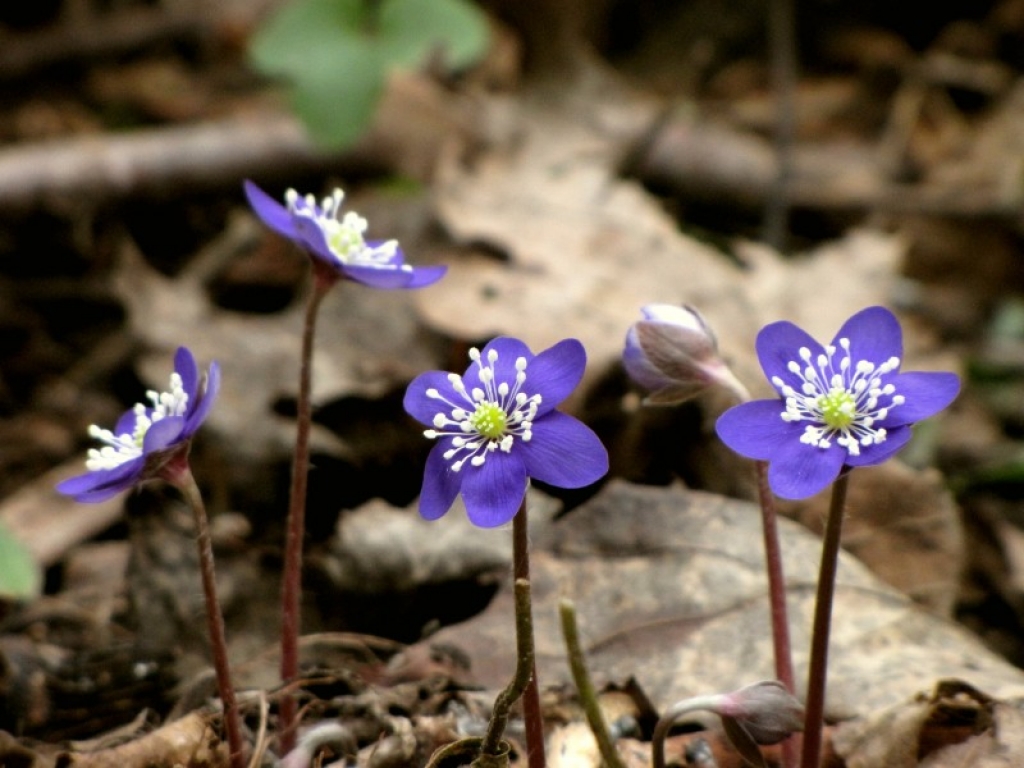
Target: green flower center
[
  {"x": 838, "y": 408},
  {"x": 839, "y": 399},
  {"x": 489, "y": 420}
]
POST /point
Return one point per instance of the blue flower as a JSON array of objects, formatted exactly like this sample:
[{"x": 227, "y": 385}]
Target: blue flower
[
  {"x": 673, "y": 354},
  {"x": 147, "y": 438},
  {"x": 843, "y": 405},
  {"x": 338, "y": 243},
  {"x": 496, "y": 426}
]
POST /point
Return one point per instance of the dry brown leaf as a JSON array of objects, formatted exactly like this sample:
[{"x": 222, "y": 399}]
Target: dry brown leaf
[
  {"x": 381, "y": 549},
  {"x": 587, "y": 249},
  {"x": 669, "y": 587},
  {"x": 191, "y": 741},
  {"x": 920, "y": 550},
  {"x": 955, "y": 726}
]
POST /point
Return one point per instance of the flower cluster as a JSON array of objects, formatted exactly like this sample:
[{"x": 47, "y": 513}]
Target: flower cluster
[
  {"x": 496, "y": 426},
  {"x": 147, "y": 437},
  {"x": 339, "y": 243},
  {"x": 842, "y": 405}
]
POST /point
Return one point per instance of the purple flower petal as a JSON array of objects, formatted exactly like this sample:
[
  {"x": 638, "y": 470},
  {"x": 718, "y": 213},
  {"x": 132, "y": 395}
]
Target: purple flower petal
[
  {"x": 798, "y": 471},
  {"x": 828, "y": 408},
  {"x": 185, "y": 366},
  {"x": 511, "y": 437},
  {"x": 440, "y": 484},
  {"x": 126, "y": 423},
  {"x": 639, "y": 366},
  {"x": 555, "y": 373},
  {"x": 874, "y": 335},
  {"x": 270, "y": 212},
  {"x": 386, "y": 278},
  {"x": 312, "y": 238},
  {"x": 778, "y": 344},
  {"x": 756, "y": 429},
  {"x": 424, "y": 276},
  {"x": 100, "y": 485},
  {"x": 494, "y": 491},
  {"x": 206, "y": 401},
  {"x": 564, "y": 452},
  {"x": 509, "y": 350},
  {"x": 926, "y": 394},
  {"x": 164, "y": 428},
  {"x": 875, "y": 454},
  {"x": 163, "y": 433},
  {"x": 423, "y": 408}
]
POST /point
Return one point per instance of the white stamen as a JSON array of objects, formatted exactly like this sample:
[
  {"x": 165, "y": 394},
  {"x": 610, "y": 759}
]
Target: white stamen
[
  {"x": 456, "y": 419},
  {"x": 854, "y": 390},
  {"x": 124, "y": 447},
  {"x": 344, "y": 236}
]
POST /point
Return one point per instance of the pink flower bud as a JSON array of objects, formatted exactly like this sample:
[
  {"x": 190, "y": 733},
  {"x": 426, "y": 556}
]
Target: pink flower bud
[
  {"x": 674, "y": 355},
  {"x": 766, "y": 711}
]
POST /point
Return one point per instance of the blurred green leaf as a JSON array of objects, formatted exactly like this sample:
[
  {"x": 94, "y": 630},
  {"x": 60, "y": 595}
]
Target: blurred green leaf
[
  {"x": 337, "y": 54},
  {"x": 411, "y": 30},
  {"x": 19, "y": 574}
]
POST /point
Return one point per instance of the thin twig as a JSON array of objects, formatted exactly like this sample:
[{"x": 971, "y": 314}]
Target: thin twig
[{"x": 782, "y": 44}]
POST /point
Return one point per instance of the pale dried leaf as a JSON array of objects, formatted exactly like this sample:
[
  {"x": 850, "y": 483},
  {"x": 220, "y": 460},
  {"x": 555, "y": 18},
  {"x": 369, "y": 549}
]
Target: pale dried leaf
[
  {"x": 586, "y": 249},
  {"x": 670, "y": 589},
  {"x": 920, "y": 550}
]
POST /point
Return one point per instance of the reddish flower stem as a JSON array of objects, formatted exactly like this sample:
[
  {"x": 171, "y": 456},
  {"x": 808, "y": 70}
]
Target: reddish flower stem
[
  {"x": 291, "y": 590},
  {"x": 816, "y": 676},
  {"x": 777, "y": 600},
  {"x": 178, "y": 473},
  {"x": 532, "y": 719}
]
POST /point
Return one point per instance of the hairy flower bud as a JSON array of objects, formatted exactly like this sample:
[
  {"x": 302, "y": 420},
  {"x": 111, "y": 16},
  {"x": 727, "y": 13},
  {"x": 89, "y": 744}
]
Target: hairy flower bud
[
  {"x": 765, "y": 710},
  {"x": 674, "y": 355},
  {"x": 756, "y": 715}
]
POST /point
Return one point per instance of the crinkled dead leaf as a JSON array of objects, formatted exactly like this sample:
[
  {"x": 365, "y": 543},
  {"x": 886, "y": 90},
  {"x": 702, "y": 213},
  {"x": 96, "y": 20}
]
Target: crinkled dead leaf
[
  {"x": 954, "y": 726},
  {"x": 585, "y": 248},
  {"x": 669, "y": 587}
]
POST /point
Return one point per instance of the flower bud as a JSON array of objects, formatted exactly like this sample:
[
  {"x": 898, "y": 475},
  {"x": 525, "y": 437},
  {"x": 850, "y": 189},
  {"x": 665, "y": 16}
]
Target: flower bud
[
  {"x": 765, "y": 710},
  {"x": 674, "y": 355},
  {"x": 756, "y": 715}
]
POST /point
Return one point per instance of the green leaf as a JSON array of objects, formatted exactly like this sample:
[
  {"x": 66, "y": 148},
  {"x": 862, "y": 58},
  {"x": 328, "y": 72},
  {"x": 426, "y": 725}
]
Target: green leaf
[
  {"x": 411, "y": 30},
  {"x": 336, "y": 54},
  {"x": 19, "y": 574}
]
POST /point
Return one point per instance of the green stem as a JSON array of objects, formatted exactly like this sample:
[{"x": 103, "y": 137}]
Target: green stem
[
  {"x": 585, "y": 687},
  {"x": 291, "y": 590},
  {"x": 491, "y": 744},
  {"x": 181, "y": 477},
  {"x": 816, "y": 676},
  {"x": 524, "y": 681},
  {"x": 777, "y": 600}
]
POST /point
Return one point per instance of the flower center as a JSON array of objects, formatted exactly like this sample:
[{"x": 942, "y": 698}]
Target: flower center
[
  {"x": 127, "y": 446},
  {"x": 838, "y": 408},
  {"x": 840, "y": 400},
  {"x": 345, "y": 235},
  {"x": 489, "y": 420},
  {"x": 485, "y": 418}
]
